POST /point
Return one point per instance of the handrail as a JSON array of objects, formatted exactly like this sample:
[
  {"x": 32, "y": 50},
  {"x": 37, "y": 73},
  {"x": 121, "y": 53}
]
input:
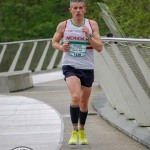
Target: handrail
[
  {"x": 126, "y": 40},
  {"x": 135, "y": 40},
  {"x": 26, "y": 41}
]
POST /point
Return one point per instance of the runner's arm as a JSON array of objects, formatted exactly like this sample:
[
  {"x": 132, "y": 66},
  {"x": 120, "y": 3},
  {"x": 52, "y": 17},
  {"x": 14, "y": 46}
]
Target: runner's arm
[
  {"x": 95, "y": 41},
  {"x": 58, "y": 36}
]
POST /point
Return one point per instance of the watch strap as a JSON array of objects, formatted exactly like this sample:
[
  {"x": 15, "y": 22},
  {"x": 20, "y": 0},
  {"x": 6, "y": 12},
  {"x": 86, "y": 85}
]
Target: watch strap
[{"x": 89, "y": 36}]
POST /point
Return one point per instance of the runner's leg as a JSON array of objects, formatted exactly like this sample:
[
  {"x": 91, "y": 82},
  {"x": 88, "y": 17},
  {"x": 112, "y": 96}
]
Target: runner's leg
[
  {"x": 84, "y": 99},
  {"x": 74, "y": 86}
]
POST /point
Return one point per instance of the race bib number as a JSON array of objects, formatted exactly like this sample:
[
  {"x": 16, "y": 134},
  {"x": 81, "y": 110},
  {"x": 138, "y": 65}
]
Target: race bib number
[{"x": 77, "y": 50}]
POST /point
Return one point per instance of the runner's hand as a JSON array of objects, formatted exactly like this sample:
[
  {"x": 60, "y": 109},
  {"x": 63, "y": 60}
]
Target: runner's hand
[
  {"x": 65, "y": 47},
  {"x": 85, "y": 29}
]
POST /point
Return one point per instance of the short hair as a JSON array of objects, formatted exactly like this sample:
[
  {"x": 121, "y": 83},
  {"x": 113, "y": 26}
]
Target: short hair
[{"x": 73, "y": 1}]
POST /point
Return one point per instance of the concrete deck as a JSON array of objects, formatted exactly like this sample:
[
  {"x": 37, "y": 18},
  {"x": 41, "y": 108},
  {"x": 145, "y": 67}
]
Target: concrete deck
[
  {"x": 28, "y": 122},
  {"x": 35, "y": 118},
  {"x": 119, "y": 121}
]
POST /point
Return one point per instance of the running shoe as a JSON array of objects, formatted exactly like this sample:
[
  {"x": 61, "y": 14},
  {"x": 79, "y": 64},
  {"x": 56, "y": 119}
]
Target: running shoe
[
  {"x": 74, "y": 138},
  {"x": 82, "y": 138}
]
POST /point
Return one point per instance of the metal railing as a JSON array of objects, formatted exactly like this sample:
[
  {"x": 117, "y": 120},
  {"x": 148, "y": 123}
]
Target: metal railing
[
  {"x": 34, "y": 55},
  {"x": 124, "y": 75},
  {"x": 37, "y": 55},
  {"x": 122, "y": 70}
]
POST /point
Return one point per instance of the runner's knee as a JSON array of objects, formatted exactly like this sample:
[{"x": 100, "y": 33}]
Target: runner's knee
[
  {"x": 83, "y": 106},
  {"x": 75, "y": 99}
]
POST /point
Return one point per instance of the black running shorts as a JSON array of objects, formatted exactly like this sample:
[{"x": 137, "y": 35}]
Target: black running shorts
[{"x": 86, "y": 76}]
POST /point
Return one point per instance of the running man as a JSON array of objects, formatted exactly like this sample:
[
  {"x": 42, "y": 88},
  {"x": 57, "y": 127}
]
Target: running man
[{"x": 78, "y": 37}]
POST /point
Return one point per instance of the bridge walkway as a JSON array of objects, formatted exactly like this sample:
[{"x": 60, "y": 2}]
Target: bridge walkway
[{"x": 100, "y": 133}]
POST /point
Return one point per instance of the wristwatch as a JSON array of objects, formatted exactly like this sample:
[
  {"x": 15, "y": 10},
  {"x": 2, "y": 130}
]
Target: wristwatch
[{"x": 89, "y": 36}]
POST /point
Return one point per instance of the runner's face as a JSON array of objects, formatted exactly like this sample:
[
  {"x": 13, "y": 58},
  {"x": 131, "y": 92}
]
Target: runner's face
[{"x": 77, "y": 10}]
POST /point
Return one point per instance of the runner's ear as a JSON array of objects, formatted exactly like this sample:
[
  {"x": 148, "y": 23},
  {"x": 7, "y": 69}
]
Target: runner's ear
[
  {"x": 70, "y": 9},
  {"x": 85, "y": 8}
]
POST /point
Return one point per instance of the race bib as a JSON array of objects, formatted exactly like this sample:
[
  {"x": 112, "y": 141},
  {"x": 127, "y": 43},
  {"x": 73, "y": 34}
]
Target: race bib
[{"x": 77, "y": 50}]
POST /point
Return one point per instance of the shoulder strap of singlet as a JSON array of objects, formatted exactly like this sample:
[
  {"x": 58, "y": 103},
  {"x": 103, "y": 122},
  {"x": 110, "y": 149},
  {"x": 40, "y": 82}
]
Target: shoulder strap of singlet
[
  {"x": 90, "y": 23},
  {"x": 65, "y": 26}
]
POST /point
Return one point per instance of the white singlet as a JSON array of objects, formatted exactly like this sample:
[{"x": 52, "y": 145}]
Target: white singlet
[{"x": 80, "y": 55}]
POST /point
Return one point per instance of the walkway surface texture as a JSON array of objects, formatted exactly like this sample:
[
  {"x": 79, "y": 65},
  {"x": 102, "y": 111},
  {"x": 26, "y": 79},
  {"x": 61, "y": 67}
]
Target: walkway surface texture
[{"x": 38, "y": 118}]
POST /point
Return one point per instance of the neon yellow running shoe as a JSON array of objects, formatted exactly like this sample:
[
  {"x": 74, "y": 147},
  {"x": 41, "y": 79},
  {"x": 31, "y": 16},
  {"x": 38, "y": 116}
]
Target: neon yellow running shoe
[
  {"x": 74, "y": 138},
  {"x": 82, "y": 138}
]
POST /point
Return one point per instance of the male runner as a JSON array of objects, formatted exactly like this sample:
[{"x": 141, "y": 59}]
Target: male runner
[{"x": 79, "y": 36}]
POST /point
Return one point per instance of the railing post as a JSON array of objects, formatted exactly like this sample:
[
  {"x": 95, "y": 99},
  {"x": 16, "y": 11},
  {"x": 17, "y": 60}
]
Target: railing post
[
  {"x": 28, "y": 62},
  {"x": 52, "y": 62},
  {"x": 13, "y": 65},
  {"x": 2, "y": 53},
  {"x": 40, "y": 64},
  {"x": 143, "y": 67}
]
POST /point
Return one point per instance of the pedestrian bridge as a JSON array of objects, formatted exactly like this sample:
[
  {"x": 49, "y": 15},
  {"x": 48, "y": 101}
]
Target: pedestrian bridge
[{"x": 122, "y": 71}]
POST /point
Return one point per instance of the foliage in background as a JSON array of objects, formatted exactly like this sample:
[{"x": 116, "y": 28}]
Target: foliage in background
[
  {"x": 93, "y": 12},
  {"x": 132, "y": 15},
  {"x": 20, "y": 20},
  {"x": 36, "y": 19}
]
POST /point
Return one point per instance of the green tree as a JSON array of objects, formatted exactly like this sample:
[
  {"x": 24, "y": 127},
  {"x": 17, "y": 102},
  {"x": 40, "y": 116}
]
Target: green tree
[
  {"x": 132, "y": 15},
  {"x": 34, "y": 19}
]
